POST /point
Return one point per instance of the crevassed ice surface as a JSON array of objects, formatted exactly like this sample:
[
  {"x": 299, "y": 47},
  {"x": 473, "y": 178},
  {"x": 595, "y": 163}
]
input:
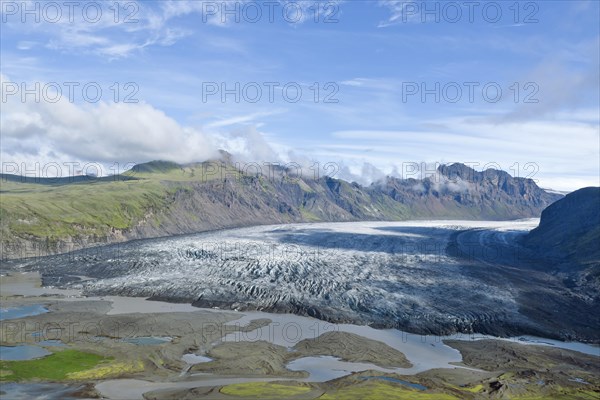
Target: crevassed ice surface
[{"x": 393, "y": 274}]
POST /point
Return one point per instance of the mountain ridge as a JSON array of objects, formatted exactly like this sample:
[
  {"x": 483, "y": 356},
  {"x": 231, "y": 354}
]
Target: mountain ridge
[
  {"x": 569, "y": 227},
  {"x": 162, "y": 198}
]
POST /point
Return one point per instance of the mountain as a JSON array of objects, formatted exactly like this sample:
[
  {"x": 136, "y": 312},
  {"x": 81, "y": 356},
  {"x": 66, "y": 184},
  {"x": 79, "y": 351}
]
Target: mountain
[
  {"x": 566, "y": 243},
  {"x": 47, "y": 216},
  {"x": 569, "y": 229},
  {"x": 458, "y": 191}
]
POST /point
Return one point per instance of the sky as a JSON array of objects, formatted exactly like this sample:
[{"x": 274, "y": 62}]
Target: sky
[{"x": 354, "y": 89}]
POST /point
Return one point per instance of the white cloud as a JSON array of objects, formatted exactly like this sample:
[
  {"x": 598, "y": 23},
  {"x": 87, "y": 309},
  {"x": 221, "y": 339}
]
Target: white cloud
[
  {"x": 247, "y": 144},
  {"x": 26, "y": 44},
  {"x": 551, "y": 94},
  {"x": 102, "y": 132},
  {"x": 364, "y": 174},
  {"x": 123, "y": 133}
]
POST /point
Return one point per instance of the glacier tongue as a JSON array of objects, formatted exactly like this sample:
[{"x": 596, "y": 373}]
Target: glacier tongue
[{"x": 378, "y": 273}]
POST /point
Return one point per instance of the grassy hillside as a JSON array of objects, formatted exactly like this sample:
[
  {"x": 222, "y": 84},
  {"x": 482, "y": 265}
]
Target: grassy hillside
[
  {"x": 94, "y": 208},
  {"x": 88, "y": 208},
  {"x": 154, "y": 199}
]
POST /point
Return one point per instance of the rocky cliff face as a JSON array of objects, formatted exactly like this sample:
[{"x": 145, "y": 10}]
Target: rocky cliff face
[
  {"x": 569, "y": 229},
  {"x": 458, "y": 191},
  {"x": 567, "y": 243},
  {"x": 163, "y": 199}
]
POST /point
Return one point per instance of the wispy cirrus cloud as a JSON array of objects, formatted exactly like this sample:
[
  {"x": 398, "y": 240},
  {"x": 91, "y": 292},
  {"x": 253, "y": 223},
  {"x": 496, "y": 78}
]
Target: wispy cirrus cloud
[
  {"x": 120, "y": 29},
  {"x": 115, "y": 30},
  {"x": 241, "y": 119},
  {"x": 400, "y": 12}
]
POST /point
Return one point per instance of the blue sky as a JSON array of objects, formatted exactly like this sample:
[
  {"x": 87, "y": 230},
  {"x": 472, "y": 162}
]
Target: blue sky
[{"x": 373, "y": 58}]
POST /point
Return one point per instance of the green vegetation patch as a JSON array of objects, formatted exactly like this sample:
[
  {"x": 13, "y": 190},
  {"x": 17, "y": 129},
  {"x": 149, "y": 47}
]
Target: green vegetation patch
[
  {"x": 382, "y": 391},
  {"x": 265, "y": 390},
  {"x": 89, "y": 209},
  {"x": 54, "y": 367},
  {"x": 96, "y": 207}
]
